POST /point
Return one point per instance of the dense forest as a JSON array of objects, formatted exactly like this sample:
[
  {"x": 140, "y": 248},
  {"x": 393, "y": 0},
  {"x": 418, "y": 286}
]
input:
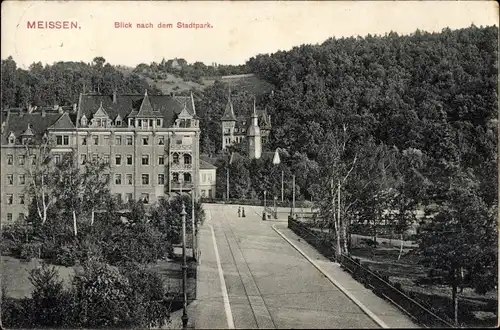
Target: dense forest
[{"x": 62, "y": 82}]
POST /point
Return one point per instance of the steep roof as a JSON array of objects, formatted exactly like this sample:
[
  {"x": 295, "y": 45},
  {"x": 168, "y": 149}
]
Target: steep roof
[
  {"x": 146, "y": 109},
  {"x": 229, "y": 111},
  {"x": 17, "y": 124},
  {"x": 243, "y": 109},
  {"x": 168, "y": 107},
  {"x": 63, "y": 122},
  {"x": 206, "y": 165}
]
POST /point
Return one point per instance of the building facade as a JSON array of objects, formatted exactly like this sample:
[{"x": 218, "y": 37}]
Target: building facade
[
  {"x": 207, "y": 179},
  {"x": 248, "y": 126},
  {"x": 151, "y": 143}
]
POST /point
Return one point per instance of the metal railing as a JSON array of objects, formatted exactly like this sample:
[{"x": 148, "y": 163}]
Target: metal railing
[{"x": 379, "y": 284}]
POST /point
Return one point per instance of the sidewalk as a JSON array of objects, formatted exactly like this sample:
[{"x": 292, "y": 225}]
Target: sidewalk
[{"x": 389, "y": 314}]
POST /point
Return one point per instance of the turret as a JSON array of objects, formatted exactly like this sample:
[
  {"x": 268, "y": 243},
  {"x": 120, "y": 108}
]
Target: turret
[
  {"x": 228, "y": 123},
  {"x": 253, "y": 136}
]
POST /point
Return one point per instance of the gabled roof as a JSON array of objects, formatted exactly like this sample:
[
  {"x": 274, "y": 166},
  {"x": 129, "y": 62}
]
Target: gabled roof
[
  {"x": 184, "y": 114},
  {"x": 146, "y": 109},
  {"x": 168, "y": 107},
  {"x": 28, "y": 132},
  {"x": 206, "y": 165},
  {"x": 101, "y": 112},
  {"x": 64, "y": 122}
]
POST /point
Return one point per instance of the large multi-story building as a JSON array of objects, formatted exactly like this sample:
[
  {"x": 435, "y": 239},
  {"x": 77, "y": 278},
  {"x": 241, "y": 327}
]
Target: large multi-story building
[
  {"x": 249, "y": 126},
  {"x": 151, "y": 143}
]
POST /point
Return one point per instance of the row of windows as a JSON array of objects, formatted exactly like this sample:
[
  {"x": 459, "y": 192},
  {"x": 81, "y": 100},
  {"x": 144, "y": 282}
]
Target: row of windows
[
  {"x": 129, "y": 179},
  {"x": 129, "y": 160},
  {"x": 21, "y": 179},
  {"x": 21, "y": 217},
  {"x": 122, "y": 140},
  {"x": 21, "y": 159},
  {"x": 20, "y": 199}
]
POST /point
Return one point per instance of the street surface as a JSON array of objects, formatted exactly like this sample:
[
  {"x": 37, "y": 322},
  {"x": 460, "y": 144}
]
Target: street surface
[{"x": 264, "y": 282}]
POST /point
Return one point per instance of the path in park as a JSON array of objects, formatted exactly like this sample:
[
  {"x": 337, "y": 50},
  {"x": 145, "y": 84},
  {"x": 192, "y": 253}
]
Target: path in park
[{"x": 250, "y": 276}]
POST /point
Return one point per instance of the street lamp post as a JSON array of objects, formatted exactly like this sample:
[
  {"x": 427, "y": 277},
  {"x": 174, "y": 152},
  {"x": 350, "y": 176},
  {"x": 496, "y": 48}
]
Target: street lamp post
[
  {"x": 264, "y": 212},
  {"x": 193, "y": 224},
  {"x": 282, "y": 177},
  {"x": 275, "y": 209},
  {"x": 293, "y": 201},
  {"x": 184, "y": 269},
  {"x": 227, "y": 183}
]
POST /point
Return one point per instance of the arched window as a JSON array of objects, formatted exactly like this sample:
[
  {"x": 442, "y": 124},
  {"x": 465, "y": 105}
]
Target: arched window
[
  {"x": 187, "y": 159},
  {"x": 175, "y": 158},
  {"x": 175, "y": 177},
  {"x": 187, "y": 177},
  {"x": 12, "y": 138}
]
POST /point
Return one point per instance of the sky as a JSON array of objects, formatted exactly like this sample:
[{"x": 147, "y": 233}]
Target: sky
[{"x": 239, "y": 30}]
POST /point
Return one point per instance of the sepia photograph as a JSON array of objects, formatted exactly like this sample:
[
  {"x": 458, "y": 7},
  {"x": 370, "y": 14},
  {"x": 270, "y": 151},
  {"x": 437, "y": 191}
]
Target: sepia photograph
[{"x": 249, "y": 164}]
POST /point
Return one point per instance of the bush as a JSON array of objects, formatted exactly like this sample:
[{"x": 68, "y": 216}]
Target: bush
[
  {"x": 102, "y": 294},
  {"x": 30, "y": 250},
  {"x": 52, "y": 305},
  {"x": 16, "y": 313},
  {"x": 147, "y": 298}
]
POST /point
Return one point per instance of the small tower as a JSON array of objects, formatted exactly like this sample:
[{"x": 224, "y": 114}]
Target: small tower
[
  {"x": 253, "y": 136},
  {"x": 228, "y": 123}
]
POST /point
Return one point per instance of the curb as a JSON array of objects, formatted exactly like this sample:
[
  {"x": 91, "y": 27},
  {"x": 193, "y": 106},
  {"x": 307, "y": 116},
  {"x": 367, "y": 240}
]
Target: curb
[{"x": 369, "y": 313}]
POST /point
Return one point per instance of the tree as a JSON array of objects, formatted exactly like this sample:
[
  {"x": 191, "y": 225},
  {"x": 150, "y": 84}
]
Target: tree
[{"x": 459, "y": 239}]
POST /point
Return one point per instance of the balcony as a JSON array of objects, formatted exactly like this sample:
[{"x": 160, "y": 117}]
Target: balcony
[
  {"x": 181, "y": 167},
  {"x": 175, "y": 146},
  {"x": 177, "y": 185}
]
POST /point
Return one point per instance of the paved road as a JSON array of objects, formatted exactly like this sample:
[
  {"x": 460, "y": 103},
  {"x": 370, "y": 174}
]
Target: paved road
[{"x": 269, "y": 284}]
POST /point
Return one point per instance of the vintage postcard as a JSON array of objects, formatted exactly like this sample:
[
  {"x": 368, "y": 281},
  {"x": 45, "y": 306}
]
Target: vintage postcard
[{"x": 249, "y": 164}]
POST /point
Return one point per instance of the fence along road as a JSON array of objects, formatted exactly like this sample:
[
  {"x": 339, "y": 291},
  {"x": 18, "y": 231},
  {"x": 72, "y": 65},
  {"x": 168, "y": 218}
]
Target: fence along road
[{"x": 269, "y": 283}]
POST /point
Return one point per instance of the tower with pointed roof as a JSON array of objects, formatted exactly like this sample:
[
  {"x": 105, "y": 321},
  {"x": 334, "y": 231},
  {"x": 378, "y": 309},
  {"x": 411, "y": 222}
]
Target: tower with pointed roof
[
  {"x": 253, "y": 136},
  {"x": 228, "y": 123}
]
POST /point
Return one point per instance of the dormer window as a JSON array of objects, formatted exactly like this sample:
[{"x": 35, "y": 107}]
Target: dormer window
[
  {"x": 12, "y": 138},
  {"x": 158, "y": 122},
  {"x": 118, "y": 122},
  {"x": 98, "y": 122},
  {"x": 130, "y": 122}
]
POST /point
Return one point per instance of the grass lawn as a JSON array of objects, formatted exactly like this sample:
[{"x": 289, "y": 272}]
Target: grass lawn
[{"x": 15, "y": 276}]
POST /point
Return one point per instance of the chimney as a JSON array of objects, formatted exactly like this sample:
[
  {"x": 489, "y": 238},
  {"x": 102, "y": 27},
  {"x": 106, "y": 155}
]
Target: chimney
[
  {"x": 56, "y": 106},
  {"x": 43, "y": 113},
  {"x": 74, "y": 107},
  {"x": 114, "y": 96},
  {"x": 60, "y": 109}
]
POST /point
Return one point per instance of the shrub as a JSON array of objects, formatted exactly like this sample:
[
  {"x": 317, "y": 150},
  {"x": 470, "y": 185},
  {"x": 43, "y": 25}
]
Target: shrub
[
  {"x": 147, "y": 298},
  {"x": 51, "y": 303},
  {"x": 30, "y": 250},
  {"x": 101, "y": 292}
]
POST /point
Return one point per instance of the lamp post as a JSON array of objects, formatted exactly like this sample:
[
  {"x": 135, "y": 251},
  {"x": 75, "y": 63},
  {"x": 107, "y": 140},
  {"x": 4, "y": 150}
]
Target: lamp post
[
  {"x": 227, "y": 183},
  {"x": 193, "y": 225},
  {"x": 264, "y": 212},
  {"x": 275, "y": 209},
  {"x": 293, "y": 201},
  {"x": 184, "y": 268}
]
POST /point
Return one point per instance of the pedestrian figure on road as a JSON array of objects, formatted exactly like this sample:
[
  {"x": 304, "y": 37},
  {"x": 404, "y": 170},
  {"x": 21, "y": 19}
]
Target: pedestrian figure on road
[
  {"x": 239, "y": 211},
  {"x": 243, "y": 212}
]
